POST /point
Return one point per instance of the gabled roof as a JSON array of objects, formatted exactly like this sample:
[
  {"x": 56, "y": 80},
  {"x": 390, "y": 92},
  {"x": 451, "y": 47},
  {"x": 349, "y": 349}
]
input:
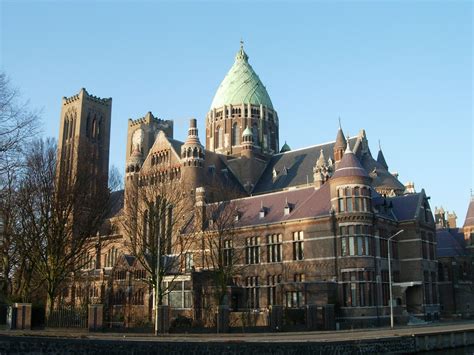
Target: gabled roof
[
  {"x": 304, "y": 202},
  {"x": 293, "y": 168},
  {"x": 469, "y": 221},
  {"x": 406, "y": 207},
  {"x": 450, "y": 242},
  {"x": 381, "y": 177}
]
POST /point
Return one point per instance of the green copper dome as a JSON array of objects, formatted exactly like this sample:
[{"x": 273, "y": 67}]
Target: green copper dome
[{"x": 241, "y": 85}]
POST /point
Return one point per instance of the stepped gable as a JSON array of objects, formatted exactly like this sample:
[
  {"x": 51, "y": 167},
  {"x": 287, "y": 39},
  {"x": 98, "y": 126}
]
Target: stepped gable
[
  {"x": 450, "y": 242},
  {"x": 469, "y": 221},
  {"x": 293, "y": 168}
]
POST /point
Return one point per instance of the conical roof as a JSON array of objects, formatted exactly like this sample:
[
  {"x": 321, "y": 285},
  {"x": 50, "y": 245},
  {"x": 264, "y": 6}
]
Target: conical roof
[
  {"x": 469, "y": 221},
  {"x": 241, "y": 85},
  {"x": 349, "y": 166},
  {"x": 340, "y": 140},
  {"x": 381, "y": 159},
  {"x": 285, "y": 148}
]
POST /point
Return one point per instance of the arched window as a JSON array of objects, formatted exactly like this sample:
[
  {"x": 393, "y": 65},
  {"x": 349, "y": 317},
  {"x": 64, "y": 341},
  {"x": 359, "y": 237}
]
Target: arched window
[
  {"x": 235, "y": 134},
  {"x": 255, "y": 134},
  {"x": 220, "y": 137}
]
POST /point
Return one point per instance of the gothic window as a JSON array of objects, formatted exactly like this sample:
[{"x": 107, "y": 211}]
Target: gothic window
[
  {"x": 255, "y": 134},
  {"x": 111, "y": 257},
  {"x": 220, "y": 137},
  {"x": 235, "y": 134}
]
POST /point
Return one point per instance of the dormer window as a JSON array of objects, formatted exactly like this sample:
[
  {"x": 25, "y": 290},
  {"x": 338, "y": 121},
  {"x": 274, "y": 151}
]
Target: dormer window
[
  {"x": 237, "y": 216},
  {"x": 262, "y": 212},
  {"x": 287, "y": 209}
]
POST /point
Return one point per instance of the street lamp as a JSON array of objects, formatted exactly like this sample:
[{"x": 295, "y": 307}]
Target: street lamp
[{"x": 390, "y": 276}]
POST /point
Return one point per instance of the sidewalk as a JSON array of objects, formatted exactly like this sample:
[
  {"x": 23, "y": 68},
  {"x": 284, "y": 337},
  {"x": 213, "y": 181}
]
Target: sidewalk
[{"x": 317, "y": 336}]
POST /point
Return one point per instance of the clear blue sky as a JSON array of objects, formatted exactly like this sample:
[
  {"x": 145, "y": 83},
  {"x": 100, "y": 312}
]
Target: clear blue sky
[{"x": 402, "y": 70}]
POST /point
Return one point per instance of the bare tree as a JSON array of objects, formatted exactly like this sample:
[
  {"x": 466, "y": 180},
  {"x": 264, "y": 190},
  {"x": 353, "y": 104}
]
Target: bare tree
[
  {"x": 223, "y": 253},
  {"x": 157, "y": 216},
  {"x": 18, "y": 123},
  {"x": 115, "y": 179},
  {"x": 59, "y": 221}
]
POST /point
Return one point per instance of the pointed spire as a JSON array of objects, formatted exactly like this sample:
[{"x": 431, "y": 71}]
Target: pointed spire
[
  {"x": 381, "y": 159},
  {"x": 285, "y": 148},
  {"x": 348, "y": 148},
  {"x": 340, "y": 139},
  {"x": 321, "y": 160}
]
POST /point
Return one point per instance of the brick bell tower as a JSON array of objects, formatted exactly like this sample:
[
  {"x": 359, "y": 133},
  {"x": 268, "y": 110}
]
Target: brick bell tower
[{"x": 84, "y": 141}]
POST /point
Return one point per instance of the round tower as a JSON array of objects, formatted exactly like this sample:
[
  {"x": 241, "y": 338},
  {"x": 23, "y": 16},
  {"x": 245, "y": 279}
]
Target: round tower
[
  {"x": 192, "y": 158},
  {"x": 350, "y": 187},
  {"x": 241, "y": 101}
]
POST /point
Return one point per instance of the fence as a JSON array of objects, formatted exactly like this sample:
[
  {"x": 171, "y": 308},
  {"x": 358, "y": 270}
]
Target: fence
[{"x": 68, "y": 317}]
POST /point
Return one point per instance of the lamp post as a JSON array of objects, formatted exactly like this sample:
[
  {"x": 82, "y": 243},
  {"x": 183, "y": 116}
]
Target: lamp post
[
  {"x": 390, "y": 276},
  {"x": 158, "y": 283}
]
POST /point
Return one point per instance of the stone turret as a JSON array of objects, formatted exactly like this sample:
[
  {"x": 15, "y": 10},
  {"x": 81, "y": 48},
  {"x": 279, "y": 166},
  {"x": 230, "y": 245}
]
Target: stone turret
[
  {"x": 322, "y": 171},
  {"x": 192, "y": 158},
  {"x": 340, "y": 145},
  {"x": 350, "y": 186}
]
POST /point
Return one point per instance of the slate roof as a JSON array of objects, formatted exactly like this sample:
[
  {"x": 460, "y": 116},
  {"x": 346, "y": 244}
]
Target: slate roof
[
  {"x": 304, "y": 202},
  {"x": 293, "y": 168},
  {"x": 176, "y": 145},
  {"x": 469, "y": 221},
  {"x": 406, "y": 207},
  {"x": 349, "y": 166},
  {"x": 450, "y": 242},
  {"x": 381, "y": 159},
  {"x": 381, "y": 178}
]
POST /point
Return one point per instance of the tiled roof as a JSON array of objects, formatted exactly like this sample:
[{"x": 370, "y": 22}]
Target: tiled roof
[
  {"x": 405, "y": 207},
  {"x": 381, "y": 178},
  {"x": 304, "y": 202},
  {"x": 295, "y": 168},
  {"x": 469, "y": 221},
  {"x": 450, "y": 242}
]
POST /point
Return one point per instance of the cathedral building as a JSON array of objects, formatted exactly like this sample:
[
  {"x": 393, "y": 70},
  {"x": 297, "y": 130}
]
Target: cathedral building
[{"x": 314, "y": 225}]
